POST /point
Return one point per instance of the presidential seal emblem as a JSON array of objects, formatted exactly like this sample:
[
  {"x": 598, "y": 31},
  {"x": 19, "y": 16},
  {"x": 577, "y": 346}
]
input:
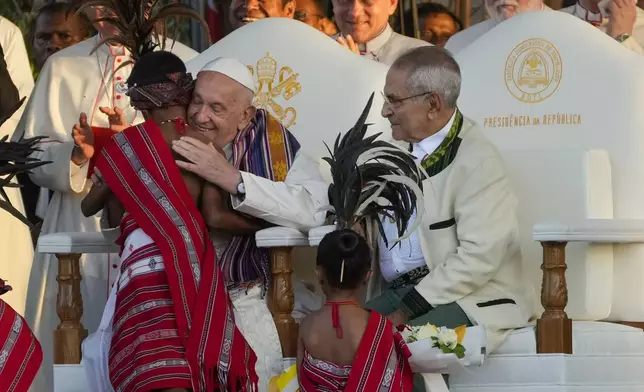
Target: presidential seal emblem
[
  {"x": 274, "y": 83},
  {"x": 533, "y": 70}
]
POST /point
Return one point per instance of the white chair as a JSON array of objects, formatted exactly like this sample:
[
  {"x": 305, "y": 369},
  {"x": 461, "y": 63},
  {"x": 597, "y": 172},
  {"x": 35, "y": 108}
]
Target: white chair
[
  {"x": 574, "y": 157},
  {"x": 317, "y": 88}
]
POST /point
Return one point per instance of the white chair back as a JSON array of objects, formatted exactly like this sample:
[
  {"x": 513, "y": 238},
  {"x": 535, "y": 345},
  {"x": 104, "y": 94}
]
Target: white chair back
[{"x": 549, "y": 81}]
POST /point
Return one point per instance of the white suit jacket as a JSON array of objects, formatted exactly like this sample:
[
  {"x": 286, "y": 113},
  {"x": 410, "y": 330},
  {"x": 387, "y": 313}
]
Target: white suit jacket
[{"x": 470, "y": 239}]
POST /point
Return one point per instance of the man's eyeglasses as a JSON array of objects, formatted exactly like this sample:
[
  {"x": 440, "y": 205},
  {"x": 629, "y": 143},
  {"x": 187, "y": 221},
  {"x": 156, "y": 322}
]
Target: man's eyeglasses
[{"x": 396, "y": 103}]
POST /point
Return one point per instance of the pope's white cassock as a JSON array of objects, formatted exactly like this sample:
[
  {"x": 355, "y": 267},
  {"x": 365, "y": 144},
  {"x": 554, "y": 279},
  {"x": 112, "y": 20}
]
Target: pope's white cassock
[
  {"x": 15, "y": 239},
  {"x": 72, "y": 81}
]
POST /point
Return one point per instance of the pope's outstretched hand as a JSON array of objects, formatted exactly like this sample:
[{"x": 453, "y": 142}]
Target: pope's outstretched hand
[{"x": 208, "y": 163}]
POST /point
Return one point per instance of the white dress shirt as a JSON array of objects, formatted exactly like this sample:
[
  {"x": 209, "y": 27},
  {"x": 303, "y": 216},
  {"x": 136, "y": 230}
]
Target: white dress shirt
[{"x": 407, "y": 254}]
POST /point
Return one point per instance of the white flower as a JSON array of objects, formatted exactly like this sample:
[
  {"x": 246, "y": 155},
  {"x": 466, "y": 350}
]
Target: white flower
[
  {"x": 447, "y": 337},
  {"x": 427, "y": 332}
]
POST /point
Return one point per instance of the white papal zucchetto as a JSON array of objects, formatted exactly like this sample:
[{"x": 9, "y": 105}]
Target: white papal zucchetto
[{"x": 232, "y": 68}]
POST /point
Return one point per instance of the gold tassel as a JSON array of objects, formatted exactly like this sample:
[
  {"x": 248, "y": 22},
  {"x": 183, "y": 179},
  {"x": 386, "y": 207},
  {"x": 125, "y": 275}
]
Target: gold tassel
[{"x": 342, "y": 272}]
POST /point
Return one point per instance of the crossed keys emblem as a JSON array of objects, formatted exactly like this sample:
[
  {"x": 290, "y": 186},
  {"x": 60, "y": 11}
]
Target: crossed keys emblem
[{"x": 272, "y": 85}]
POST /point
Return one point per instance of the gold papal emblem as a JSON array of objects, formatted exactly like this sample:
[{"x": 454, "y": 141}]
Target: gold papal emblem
[
  {"x": 271, "y": 85},
  {"x": 533, "y": 70}
]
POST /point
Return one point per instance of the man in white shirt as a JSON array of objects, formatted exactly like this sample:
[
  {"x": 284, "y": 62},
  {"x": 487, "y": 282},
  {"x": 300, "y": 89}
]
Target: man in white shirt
[
  {"x": 365, "y": 30},
  {"x": 463, "y": 264}
]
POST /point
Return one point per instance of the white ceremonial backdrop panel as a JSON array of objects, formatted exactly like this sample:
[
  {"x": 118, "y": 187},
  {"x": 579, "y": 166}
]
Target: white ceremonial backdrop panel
[
  {"x": 313, "y": 85},
  {"x": 547, "y": 80}
]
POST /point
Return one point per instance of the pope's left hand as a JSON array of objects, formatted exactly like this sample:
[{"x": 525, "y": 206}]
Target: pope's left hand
[
  {"x": 398, "y": 318},
  {"x": 208, "y": 163}
]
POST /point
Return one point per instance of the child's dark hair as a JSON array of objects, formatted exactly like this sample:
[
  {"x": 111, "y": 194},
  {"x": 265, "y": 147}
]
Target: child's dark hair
[{"x": 348, "y": 247}]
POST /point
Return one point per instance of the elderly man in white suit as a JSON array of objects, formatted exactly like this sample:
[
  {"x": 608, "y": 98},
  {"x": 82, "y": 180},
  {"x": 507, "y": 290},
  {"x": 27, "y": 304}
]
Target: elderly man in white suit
[
  {"x": 73, "y": 80},
  {"x": 463, "y": 264}
]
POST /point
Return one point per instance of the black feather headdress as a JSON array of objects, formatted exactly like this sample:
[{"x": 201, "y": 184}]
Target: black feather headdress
[
  {"x": 373, "y": 179},
  {"x": 141, "y": 23},
  {"x": 14, "y": 159}
]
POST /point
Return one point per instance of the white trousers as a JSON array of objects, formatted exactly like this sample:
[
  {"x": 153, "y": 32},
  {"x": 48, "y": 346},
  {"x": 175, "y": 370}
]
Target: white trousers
[{"x": 255, "y": 322}]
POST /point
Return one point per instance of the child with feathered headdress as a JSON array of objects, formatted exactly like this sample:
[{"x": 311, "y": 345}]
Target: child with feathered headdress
[{"x": 344, "y": 347}]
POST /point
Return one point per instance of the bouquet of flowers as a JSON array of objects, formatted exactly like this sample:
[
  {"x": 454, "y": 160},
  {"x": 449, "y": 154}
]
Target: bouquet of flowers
[{"x": 444, "y": 350}]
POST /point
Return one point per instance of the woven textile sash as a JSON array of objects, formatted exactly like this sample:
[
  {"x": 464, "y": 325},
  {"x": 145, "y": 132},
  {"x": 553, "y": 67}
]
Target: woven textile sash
[
  {"x": 21, "y": 354},
  {"x": 140, "y": 169},
  {"x": 266, "y": 149},
  {"x": 444, "y": 154},
  {"x": 102, "y": 136},
  {"x": 380, "y": 363}
]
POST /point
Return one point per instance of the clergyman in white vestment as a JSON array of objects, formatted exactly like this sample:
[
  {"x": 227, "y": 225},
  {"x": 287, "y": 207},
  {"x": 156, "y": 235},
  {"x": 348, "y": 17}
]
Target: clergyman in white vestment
[
  {"x": 15, "y": 264},
  {"x": 371, "y": 34},
  {"x": 627, "y": 27},
  {"x": 15, "y": 54},
  {"x": 73, "y": 81}
]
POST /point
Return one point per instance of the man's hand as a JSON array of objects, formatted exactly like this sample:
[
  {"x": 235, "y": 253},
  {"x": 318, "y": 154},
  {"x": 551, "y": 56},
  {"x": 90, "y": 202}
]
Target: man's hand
[
  {"x": 622, "y": 18},
  {"x": 84, "y": 141},
  {"x": 207, "y": 163},
  {"x": 348, "y": 43},
  {"x": 116, "y": 117},
  {"x": 398, "y": 318}
]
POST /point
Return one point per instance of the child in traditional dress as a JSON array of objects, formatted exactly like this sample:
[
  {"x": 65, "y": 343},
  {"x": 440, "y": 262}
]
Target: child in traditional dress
[
  {"x": 343, "y": 347},
  {"x": 170, "y": 327}
]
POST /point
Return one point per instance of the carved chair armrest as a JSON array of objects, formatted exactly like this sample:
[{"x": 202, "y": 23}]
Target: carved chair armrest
[
  {"x": 68, "y": 248},
  {"x": 279, "y": 236},
  {"x": 613, "y": 231},
  {"x": 554, "y": 328},
  {"x": 75, "y": 243},
  {"x": 316, "y": 234},
  {"x": 281, "y": 301}
]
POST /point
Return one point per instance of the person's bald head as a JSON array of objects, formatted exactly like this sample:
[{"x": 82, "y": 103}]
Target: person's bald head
[
  {"x": 501, "y": 10},
  {"x": 220, "y": 104}
]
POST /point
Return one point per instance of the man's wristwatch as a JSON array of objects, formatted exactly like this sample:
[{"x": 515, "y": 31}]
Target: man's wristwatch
[
  {"x": 622, "y": 37},
  {"x": 241, "y": 189}
]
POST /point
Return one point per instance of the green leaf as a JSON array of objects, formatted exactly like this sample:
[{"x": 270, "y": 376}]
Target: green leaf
[{"x": 459, "y": 350}]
